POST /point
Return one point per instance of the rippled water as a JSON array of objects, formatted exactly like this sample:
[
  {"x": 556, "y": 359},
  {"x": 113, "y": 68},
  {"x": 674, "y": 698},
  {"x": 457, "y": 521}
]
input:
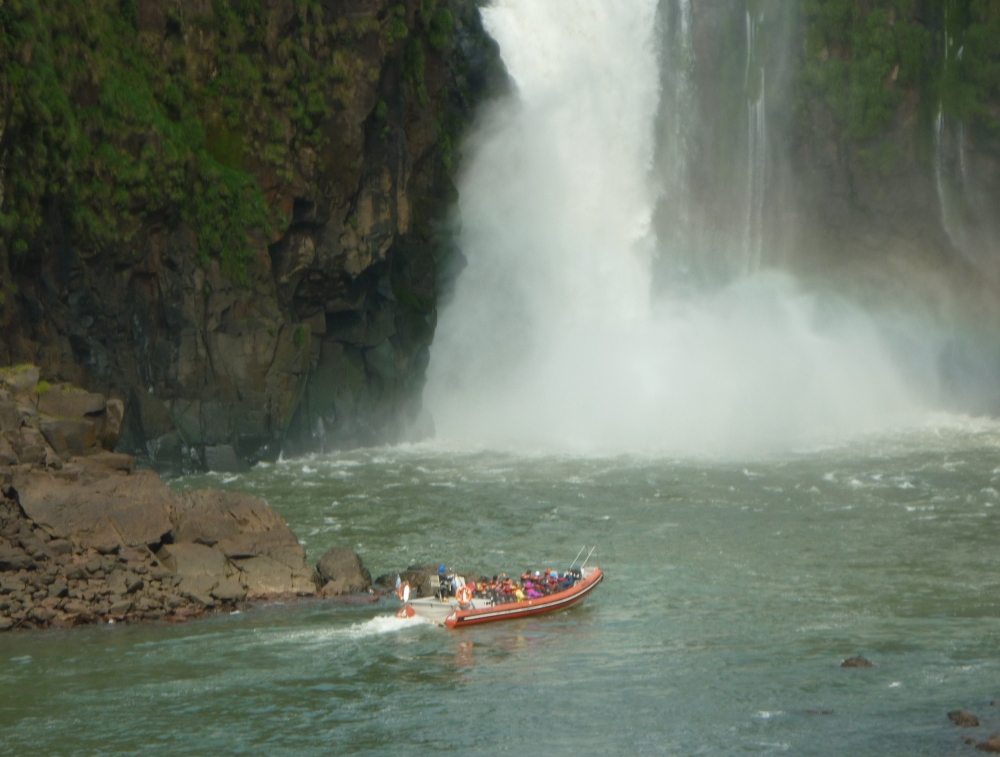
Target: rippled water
[{"x": 733, "y": 592}]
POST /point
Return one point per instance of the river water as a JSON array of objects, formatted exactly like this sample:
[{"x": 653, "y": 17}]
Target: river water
[
  {"x": 733, "y": 592},
  {"x": 736, "y": 582}
]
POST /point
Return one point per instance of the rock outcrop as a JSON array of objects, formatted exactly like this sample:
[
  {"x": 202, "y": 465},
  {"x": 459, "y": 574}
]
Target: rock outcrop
[
  {"x": 963, "y": 719},
  {"x": 84, "y": 537},
  {"x": 340, "y": 572},
  {"x": 857, "y": 662},
  {"x": 89, "y": 543},
  {"x": 991, "y": 745},
  {"x": 248, "y": 248},
  {"x": 45, "y": 423}
]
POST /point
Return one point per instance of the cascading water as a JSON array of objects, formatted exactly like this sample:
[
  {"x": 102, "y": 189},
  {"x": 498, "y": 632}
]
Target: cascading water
[
  {"x": 671, "y": 179},
  {"x": 555, "y": 339},
  {"x": 967, "y": 217},
  {"x": 756, "y": 89}
]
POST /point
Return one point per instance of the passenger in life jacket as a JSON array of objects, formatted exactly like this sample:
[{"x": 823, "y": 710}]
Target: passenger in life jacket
[
  {"x": 531, "y": 590},
  {"x": 551, "y": 580}
]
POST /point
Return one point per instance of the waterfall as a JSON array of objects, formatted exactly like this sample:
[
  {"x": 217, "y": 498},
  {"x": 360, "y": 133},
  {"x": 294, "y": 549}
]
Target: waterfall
[
  {"x": 944, "y": 192},
  {"x": 554, "y": 339},
  {"x": 756, "y": 89},
  {"x": 967, "y": 216},
  {"x": 675, "y": 122}
]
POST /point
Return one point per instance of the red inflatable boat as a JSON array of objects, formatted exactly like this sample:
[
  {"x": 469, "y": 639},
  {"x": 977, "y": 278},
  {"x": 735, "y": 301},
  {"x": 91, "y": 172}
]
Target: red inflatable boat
[{"x": 465, "y": 609}]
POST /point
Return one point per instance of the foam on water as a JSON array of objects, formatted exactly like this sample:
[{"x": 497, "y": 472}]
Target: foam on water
[{"x": 322, "y": 637}]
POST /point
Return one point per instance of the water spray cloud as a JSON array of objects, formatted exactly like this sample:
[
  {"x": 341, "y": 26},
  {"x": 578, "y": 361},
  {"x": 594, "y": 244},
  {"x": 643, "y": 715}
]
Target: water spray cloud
[{"x": 554, "y": 338}]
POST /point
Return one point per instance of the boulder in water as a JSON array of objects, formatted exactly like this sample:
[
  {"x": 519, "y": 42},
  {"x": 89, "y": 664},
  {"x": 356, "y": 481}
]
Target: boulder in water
[
  {"x": 963, "y": 719},
  {"x": 857, "y": 662},
  {"x": 992, "y": 744},
  {"x": 341, "y": 572}
]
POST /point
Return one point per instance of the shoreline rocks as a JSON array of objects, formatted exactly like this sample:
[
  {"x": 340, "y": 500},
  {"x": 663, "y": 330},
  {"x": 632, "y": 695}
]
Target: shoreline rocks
[
  {"x": 87, "y": 538},
  {"x": 113, "y": 545}
]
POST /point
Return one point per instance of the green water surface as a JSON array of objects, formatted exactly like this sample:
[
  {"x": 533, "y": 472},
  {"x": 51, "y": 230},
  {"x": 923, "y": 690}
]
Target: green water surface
[{"x": 733, "y": 592}]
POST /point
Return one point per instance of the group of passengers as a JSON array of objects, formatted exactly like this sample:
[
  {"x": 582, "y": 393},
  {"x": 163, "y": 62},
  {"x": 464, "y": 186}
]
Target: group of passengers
[{"x": 502, "y": 589}]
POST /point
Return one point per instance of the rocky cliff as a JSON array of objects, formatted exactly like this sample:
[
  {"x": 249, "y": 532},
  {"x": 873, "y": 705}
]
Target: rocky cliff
[
  {"x": 858, "y": 140},
  {"x": 232, "y": 215}
]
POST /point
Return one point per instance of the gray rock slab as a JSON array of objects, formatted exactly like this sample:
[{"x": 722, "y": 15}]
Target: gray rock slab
[
  {"x": 188, "y": 559},
  {"x": 106, "y": 513},
  {"x": 63, "y": 401}
]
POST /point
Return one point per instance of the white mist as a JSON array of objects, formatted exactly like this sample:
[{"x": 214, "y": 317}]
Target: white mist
[{"x": 553, "y": 340}]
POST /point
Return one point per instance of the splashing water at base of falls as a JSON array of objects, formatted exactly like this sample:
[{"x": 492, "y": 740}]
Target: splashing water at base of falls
[{"x": 554, "y": 339}]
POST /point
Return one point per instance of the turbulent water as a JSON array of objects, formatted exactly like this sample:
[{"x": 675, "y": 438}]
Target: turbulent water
[{"x": 733, "y": 592}]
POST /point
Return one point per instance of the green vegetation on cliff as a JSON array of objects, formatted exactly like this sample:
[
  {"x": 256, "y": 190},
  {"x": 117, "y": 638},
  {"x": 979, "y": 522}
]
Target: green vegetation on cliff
[
  {"x": 860, "y": 58},
  {"x": 106, "y": 127},
  {"x": 102, "y": 129}
]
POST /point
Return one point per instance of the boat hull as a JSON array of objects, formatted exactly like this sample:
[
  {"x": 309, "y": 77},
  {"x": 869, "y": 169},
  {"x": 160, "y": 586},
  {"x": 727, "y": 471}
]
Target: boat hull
[{"x": 460, "y": 618}]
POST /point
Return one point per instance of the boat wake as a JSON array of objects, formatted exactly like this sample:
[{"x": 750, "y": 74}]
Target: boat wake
[{"x": 383, "y": 624}]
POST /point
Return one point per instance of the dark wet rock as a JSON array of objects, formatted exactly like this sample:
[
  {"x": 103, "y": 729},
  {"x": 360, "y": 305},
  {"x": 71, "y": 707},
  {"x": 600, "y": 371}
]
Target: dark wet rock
[
  {"x": 341, "y": 572},
  {"x": 857, "y": 662},
  {"x": 418, "y": 577},
  {"x": 963, "y": 719},
  {"x": 222, "y": 458},
  {"x": 992, "y": 744}
]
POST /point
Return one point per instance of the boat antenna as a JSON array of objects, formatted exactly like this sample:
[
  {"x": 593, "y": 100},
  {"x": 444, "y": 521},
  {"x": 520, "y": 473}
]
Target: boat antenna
[
  {"x": 588, "y": 557},
  {"x": 577, "y": 556}
]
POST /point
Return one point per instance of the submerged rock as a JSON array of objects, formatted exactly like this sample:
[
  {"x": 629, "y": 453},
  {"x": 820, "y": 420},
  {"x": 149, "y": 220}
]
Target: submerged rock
[
  {"x": 857, "y": 662},
  {"x": 963, "y": 719},
  {"x": 992, "y": 744}
]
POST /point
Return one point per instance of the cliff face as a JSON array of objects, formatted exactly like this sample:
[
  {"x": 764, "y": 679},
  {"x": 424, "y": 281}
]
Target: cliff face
[
  {"x": 232, "y": 214},
  {"x": 838, "y": 138}
]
